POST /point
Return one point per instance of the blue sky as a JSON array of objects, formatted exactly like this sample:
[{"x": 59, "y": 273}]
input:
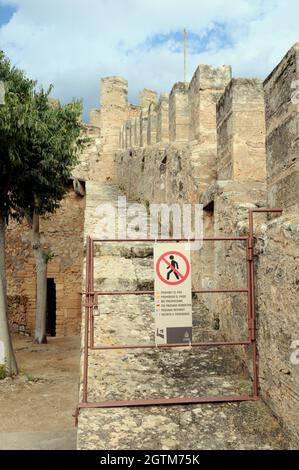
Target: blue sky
[
  {"x": 197, "y": 43},
  {"x": 6, "y": 13},
  {"x": 72, "y": 43}
]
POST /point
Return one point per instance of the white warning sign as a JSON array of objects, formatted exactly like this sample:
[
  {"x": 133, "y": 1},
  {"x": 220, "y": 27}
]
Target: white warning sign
[{"x": 173, "y": 293}]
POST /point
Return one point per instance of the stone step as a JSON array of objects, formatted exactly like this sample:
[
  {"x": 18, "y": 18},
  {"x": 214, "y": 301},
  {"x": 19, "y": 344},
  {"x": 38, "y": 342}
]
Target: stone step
[
  {"x": 124, "y": 250},
  {"x": 144, "y": 270},
  {"x": 118, "y": 273},
  {"x": 114, "y": 273}
]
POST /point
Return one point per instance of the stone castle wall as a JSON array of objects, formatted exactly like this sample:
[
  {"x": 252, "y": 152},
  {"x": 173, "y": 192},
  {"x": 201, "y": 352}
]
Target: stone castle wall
[
  {"x": 282, "y": 112},
  {"x": 62, "y": 233},
  {"x": 229, "y": 144},
  {"x": 17, "y": 314},
  {"x": 232, "y": 144}
]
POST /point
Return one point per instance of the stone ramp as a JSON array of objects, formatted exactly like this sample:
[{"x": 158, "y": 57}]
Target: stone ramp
[
  {"x": 244, "y": 426},
  {"x": 151, "y": 373},
  {"x": 141, "y": 374}
]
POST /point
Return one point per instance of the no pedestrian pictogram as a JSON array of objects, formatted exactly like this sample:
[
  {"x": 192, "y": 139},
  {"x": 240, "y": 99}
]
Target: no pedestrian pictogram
[{"x": 173, "y": 268}]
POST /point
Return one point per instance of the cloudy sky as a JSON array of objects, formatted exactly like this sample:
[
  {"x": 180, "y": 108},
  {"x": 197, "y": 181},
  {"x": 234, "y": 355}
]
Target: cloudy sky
[{"x": 72, "y": 43}]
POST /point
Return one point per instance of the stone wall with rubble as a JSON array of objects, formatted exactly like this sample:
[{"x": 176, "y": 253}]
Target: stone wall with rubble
[
  {"x": 62, "y": 234},
  {"x": 277, "y": 264},
  {"x": 17, "y": 314},
  {"x": 277, "y": 245},
  {"x": 241, "y": 152}
]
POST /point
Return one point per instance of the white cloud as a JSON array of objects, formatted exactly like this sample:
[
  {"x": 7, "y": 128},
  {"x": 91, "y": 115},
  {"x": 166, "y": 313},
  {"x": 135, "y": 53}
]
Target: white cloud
[{"x": 72, "y": 43}]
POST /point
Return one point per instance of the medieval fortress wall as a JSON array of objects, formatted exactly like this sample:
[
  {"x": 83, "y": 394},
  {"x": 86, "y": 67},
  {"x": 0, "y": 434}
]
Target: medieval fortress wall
[{"x": 230, "y": 144}]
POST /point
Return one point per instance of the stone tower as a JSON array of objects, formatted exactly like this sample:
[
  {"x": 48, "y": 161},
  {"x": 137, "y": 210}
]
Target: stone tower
[{"x": 114, "y": 109}]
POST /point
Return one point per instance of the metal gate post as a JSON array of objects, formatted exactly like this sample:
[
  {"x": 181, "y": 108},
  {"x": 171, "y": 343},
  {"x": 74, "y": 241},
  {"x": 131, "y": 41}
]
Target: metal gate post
[
  {"x": 91, "y": 289},
  {"x": 87, "y": 317},
  {"x": 251, "y": 306}
]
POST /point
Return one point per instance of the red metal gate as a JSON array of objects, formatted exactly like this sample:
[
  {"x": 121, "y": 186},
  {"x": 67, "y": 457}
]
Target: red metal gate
[{"x": 91, "y": 297}]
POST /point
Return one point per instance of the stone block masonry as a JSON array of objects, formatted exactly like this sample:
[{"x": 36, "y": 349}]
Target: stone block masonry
[
  {"x": 143, "y": 127},
  {"x": 152, "y": 124},
  {"x": 95, "y": 118},
  {"x": 241, "y": 131},
  {"x": 91, "y": 162},
  {"x": 114, "y": 112},
  {"x": 205, "y": 89},
  {"x": 163, "y": 118},
  {"x": 179, "y": 113},
  {"x": 17, "y": 314},
  {"x": 137, "y": 131},
  {"x": 128, "y": 134},
  {"x": 282, "y": 140},
  {"x": 62, "y": 234},
  {"x": 241, "y": 152},
  {"x": 146, "y": 97}
]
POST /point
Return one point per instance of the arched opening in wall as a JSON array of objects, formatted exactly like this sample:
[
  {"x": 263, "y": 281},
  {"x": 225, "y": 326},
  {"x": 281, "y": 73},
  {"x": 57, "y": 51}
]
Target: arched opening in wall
[{"x": 51, "y": 307}]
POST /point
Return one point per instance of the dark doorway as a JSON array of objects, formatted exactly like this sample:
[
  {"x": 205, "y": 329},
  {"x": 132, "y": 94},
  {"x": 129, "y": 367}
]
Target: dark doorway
[{"x": 51, "y": 307}]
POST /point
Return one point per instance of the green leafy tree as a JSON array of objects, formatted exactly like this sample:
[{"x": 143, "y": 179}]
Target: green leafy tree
[
  {"x": 39, "y": 144},
  {"x": 50, "y": 152},
  {"x": 13, "y": 115}
]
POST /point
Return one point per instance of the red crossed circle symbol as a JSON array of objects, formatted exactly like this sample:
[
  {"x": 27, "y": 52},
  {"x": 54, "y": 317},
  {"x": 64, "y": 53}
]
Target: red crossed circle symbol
[{"x": 163, "y": 258}]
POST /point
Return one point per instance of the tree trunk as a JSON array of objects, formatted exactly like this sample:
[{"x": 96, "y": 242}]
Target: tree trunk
[
  {"x": 6, "y": 351},
  {"x": 40, "y": 336}
]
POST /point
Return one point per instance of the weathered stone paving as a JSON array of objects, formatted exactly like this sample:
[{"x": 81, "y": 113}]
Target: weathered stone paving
[{"x": 128, "y": 374}]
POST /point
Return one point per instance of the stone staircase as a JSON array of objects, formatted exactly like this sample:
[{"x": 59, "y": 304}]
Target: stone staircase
[{"x": 144, "y": 374}]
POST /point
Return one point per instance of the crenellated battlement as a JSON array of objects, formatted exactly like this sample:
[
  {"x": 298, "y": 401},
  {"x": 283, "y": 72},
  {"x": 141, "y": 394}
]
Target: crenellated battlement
[{"x": 176, "y": 116}]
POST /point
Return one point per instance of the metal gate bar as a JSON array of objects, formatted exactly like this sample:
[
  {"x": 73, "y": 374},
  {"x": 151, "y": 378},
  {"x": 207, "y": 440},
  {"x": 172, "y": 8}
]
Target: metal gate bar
[
  {"x": 169, "y": 401},
  {"x": 91, "y": 300},
  {"x": 208, "y": 344}
]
